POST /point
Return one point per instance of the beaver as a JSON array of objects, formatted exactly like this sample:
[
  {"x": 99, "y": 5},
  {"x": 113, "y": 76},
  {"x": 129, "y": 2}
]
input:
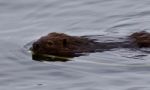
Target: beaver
[{"x": 63, "y": 45}]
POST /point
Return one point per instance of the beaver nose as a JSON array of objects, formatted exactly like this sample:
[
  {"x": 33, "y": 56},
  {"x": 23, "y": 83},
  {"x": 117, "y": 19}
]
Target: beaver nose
[{"x": 35, "y": 46}]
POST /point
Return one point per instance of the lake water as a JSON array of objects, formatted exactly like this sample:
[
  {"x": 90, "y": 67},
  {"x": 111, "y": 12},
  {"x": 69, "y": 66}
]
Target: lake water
[{"x": 23, "y": 21}]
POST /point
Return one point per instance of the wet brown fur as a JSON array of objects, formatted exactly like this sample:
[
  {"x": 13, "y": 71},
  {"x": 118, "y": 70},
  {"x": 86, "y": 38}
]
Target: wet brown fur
[{"x": 61, "y": 44}]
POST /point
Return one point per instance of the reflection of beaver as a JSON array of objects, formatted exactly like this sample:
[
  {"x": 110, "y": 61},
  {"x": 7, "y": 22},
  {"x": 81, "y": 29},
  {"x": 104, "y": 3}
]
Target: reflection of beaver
[{"x": 59, "y": 44}]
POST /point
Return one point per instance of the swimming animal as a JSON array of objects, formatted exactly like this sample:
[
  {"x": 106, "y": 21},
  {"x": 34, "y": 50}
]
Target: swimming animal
[{"x": 63, "y": 45}]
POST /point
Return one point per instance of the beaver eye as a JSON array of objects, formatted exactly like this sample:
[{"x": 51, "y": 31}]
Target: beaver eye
[{"x": 49, "y": 43}]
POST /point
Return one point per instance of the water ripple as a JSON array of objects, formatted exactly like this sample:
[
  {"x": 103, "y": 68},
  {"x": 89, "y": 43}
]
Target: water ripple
[{"x": 25, "y": 21}]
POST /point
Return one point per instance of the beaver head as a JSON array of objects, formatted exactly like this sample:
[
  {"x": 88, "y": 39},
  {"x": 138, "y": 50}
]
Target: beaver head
[{"x": 60, "y": 44}]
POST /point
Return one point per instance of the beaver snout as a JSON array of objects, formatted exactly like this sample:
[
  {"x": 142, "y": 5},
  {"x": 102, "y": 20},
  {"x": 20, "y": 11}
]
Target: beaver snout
[{"x": 35, "y": 46}]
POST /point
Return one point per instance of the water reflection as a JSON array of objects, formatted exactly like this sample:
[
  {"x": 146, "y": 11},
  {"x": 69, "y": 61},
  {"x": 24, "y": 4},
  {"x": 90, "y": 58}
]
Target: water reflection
[{"x": 49, "y": 58}]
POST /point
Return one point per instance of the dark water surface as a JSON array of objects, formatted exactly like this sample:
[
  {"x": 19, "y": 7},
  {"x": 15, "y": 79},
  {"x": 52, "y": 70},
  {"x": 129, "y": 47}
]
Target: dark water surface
[{"x": 22, "y": 21}]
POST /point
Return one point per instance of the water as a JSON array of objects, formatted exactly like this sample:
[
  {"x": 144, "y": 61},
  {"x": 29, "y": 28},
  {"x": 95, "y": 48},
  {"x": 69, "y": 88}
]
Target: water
[{"x": 23, "y": 21}]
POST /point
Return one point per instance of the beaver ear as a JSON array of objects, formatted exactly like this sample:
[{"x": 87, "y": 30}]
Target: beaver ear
[{"x": 64, "y": 42}]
